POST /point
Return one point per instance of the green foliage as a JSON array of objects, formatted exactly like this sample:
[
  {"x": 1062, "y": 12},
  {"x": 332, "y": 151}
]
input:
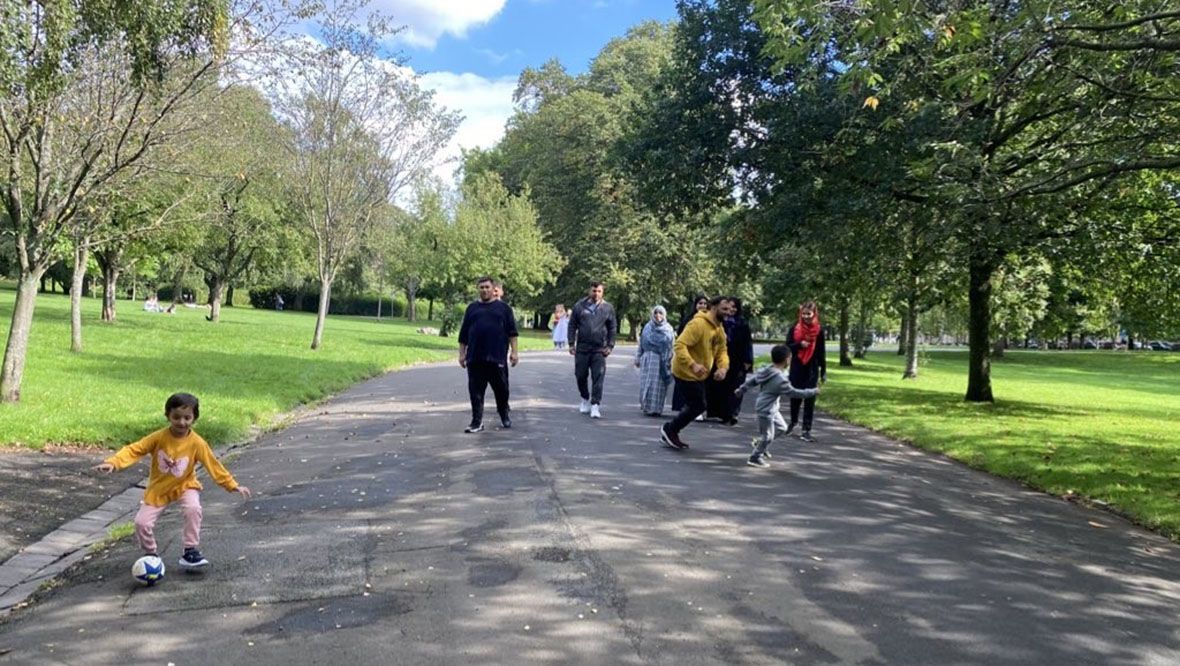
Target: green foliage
[{"x": 567, "y": 148}]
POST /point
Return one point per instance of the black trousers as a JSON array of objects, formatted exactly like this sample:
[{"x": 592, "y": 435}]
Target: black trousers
[
  {"x": 479, "y": 375},
  {"x": 808, "y": 411},
  {"x": 590, "y": 366},
  {"x": 694, "y": 404}
]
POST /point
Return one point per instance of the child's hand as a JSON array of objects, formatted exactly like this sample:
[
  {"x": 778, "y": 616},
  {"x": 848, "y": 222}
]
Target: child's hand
[
  {"x": 243, "y": 491},
  {"x": 105, "y": 468}
]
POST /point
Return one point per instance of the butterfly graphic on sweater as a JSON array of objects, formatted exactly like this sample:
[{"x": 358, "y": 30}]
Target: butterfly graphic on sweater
[{"x": 174, "y": 466}]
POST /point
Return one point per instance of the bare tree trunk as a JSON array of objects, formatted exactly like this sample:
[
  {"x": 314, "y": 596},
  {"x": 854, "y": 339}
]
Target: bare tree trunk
[
  {"x": 430, "y": 311},
  {"x": 979, "y": 294},
  {"x": 18, "y": 335},
  {"x": 322, "y": 312},
  {"x": 110, "y": 282},
  {"x": 999, "y": 345},
  {"x": 904, "y": 330},
  {"x": 229, "y": 296},
  {"x": 411, "y": 289},
  {"x": 845, "y": 359},
  {"x": 215, "y": 288},
  {"x": 911, "y": 337},
  {"x": 81, "y": 257},
  {"x": 862, "y": 329}
]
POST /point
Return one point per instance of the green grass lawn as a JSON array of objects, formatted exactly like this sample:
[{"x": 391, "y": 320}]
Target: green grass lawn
[
  {"x": 1102, "y": 425},
  {"x": 247, "y": 370}
]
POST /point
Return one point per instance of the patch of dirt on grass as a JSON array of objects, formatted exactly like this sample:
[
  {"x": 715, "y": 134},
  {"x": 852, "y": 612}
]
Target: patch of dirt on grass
[{"x": 42, "y": 490}]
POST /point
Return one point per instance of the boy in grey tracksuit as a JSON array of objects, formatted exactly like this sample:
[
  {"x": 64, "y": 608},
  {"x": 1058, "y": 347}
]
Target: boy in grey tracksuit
[{"x": 773, "y": 384}]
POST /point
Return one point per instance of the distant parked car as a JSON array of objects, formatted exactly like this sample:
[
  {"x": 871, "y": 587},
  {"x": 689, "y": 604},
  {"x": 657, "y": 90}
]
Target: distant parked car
[
  {"x": 1175, "y": 345},
  {"x": 1159, "y": 345},
  {"x": 1089, "y": 344}
]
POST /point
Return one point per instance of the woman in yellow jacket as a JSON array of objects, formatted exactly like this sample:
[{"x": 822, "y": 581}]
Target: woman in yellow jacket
[{"x": 700, "y": 347}]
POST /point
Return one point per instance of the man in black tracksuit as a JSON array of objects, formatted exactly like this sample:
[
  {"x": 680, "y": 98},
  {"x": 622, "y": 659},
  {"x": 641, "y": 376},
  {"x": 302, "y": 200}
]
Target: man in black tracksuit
[
  {"x": 592, "y": 330},
  {"x": 487, "y": 333}
]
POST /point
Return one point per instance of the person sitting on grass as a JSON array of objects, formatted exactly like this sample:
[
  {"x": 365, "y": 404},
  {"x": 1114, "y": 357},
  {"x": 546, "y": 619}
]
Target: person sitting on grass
[
  {"x": 773, "y": 384},
  {"x": 175, "y": 452}
]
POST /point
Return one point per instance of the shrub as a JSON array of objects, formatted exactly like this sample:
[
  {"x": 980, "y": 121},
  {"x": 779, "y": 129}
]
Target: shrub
[{"x": 364, "y": 305}]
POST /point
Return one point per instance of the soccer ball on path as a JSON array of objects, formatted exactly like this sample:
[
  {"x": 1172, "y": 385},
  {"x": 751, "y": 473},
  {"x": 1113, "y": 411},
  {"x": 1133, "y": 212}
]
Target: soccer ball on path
[{"x": 148, "y": 570}]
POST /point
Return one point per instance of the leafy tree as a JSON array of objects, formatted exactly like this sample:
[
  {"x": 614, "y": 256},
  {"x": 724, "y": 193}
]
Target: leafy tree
[
  {"x": 85, "y": 95},
  {"x": 361, "y": 130},
  {"x": 239, "y": 168},
  {"x": 1043, "y": 107}
]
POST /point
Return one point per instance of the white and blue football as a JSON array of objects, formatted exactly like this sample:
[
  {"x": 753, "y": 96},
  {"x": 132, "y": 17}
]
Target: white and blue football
[{"x": 148, "y": 570}]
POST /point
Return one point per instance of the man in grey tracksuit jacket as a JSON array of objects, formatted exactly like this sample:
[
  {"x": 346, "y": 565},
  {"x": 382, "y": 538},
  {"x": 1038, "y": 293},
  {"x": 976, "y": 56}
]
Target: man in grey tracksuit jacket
[
  {"x": 592, "y": 328},
  {"x": 773, "y": 384}
]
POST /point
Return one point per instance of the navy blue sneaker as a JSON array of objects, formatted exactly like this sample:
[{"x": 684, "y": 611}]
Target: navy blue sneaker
[{"x": 192, "y": 559}]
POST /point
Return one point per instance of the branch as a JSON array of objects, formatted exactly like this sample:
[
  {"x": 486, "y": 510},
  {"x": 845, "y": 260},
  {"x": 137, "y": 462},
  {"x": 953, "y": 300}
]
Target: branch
[
  {"x": 1141, "y": 45},
  {"x": 1130, "y": 23},
  {"x": 1107, "y": 169}
]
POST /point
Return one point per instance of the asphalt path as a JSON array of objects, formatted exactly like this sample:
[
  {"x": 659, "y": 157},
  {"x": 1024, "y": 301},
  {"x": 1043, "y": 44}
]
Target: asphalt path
[{"x": 380, "y": 534}]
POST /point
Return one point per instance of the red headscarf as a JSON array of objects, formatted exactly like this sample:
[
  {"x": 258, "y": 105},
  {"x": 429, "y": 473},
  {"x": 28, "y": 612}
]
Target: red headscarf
[{"x": 809, "y": 332}]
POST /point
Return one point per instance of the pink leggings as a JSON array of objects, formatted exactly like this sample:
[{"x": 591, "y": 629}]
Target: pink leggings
[{"x": 145, "y": 521}]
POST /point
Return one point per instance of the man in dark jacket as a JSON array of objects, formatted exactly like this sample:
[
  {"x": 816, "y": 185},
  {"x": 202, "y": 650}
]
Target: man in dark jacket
[
  {"x": 487, "y": 333},
  {"x": 592, "y": 329}
]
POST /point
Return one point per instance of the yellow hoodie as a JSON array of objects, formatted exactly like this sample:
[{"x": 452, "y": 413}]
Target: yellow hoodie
[
  {"x": 174, "y": 465},
  {"x": 703, "y": 341}
]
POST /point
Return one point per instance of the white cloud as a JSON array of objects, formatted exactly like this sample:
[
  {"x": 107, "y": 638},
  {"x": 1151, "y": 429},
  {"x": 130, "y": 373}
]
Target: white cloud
[
  {"x": 428, "y": 20},
  {"x": 486, "y": 104}
]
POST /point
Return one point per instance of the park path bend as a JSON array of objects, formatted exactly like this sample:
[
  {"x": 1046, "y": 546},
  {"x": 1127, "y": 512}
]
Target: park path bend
[{"x": 380, "y": 534}]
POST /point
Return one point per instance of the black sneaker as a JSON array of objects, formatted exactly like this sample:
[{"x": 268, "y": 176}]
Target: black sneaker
[
  {"x": 757, "y": 461},
  {"x": 754, "y": 445},
  {"x": 670, "y": 439},
  {"x": 474, "y": 427},
  {"x": 192, "y": 559},
  {"x": 806, "y": 436},
  {"x": 789, "y": 430},
  {"x": 505, "y": 422}
]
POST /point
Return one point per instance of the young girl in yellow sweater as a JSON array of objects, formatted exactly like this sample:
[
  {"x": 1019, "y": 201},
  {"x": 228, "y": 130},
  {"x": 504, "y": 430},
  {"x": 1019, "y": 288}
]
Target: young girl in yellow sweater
[{"x": 175, "y": 450}]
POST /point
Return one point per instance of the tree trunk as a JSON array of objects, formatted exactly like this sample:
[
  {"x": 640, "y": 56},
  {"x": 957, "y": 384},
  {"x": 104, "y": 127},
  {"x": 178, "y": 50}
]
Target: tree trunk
[
  {"x": 911, "y": 337},
  {"x": 215, "y": 288},
  {"x": 845, "y": 359},
  {"x": 18, "y": 336},
  {"x": 999, "y": 345},
  {"x": 229, "y": 296},
  {"x": 81, "y": 256},
  {"x": 322, "y": 312},
  {"x": 862, "y": 327},
  {"x": 904, "y": 330},
  {"x": 411, "y": 290},
  {"x": 448, "y": 319},
  {"x": 979, "y": 295},
  {"x": 110, "y": 282},
  {"x": 1130, "y": 342},
  {"x": 430, "y": 311}
]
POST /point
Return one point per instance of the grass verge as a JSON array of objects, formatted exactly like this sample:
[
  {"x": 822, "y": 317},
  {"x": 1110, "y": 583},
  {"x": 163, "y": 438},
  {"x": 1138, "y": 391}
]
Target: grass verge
[
  {"x": 247, "y": 369},
  {"x": 1100, "y": 425}
]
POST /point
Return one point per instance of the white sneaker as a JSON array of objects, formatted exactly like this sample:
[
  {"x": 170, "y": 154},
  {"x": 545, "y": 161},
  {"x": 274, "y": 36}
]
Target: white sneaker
[
  {"x": 585, "y": 408},
  {"x": 594, "y": 413}
]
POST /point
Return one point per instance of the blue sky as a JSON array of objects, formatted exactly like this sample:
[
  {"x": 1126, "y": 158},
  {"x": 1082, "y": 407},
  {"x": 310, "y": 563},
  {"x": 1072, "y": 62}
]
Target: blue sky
[
  {"x": 529, "y": 32},
  {"x": 470, "y": 52}
]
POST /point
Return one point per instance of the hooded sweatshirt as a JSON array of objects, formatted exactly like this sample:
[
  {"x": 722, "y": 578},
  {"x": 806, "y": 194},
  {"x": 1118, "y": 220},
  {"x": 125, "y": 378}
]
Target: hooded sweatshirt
[
  {"x": 773, "y": 384},
  {"x": 703, "y": 341}
]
